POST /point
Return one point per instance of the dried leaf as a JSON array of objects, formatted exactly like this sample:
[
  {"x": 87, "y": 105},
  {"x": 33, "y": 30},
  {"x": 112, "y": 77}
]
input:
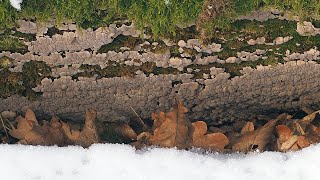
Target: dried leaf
[
  {"x": 258, "y": 138},
  {"x": 174, "y": 129},
  {"x": 302, "y": 142},
  {"x": 145, "y": 136},
  {"x": 143, "y": 139},
  {"x": 158, "y": 119},
  {"x": 284, "y": 133},
  {"x": 294, "y": 147},
  {"x": 23, "y": 128},
  {"x": 51, "y": 132},
  {"x": 283, "y": 118},
  {"x": 31, "y": 117},
  {"x": 233, "y": 137},
  {"x": 118, "y": 133},
  {"x": 213, "y": 129},
  {"x": 213, "y": 141},
  {"x": 299, "y": 128},
  {"x": 309, "y": 118},
  {"x": 313, "y": 134},
  {"x": 310, "y": 128},
  {"x": 248, "y": 127},
  {"x": 238, "y": 125},
  {"x": 70, "y": 134},
  {"x": 54, "y": 132},
  {"x": 89, "y": 135},
  {"x": 289, "y": 143}
]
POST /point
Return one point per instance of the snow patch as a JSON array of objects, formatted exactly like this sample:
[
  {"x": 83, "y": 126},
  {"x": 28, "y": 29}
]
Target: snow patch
[
  {"x": 112, "y": 161},
  {"x": 16, "y": 4}
]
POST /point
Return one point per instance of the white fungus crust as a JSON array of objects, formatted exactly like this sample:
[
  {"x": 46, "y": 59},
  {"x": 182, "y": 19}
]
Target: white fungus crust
[{"x": 216, "y": 98}]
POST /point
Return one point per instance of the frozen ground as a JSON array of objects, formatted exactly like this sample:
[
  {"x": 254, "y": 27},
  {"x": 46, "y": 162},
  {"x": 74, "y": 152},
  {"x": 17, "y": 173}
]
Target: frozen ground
[{"x": 117, "y": 162}]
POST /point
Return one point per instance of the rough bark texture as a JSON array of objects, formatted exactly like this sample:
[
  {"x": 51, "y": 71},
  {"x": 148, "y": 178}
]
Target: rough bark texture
[{"x": 218, "y": 100}]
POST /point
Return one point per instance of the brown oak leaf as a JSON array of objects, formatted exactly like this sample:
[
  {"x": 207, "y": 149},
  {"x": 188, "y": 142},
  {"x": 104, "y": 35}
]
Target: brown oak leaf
[
  {"x": 55, "y": 132},
  {"x": 34, "y": 134},
  {"x": 312, "y": 134},
  {"x": 158, "y": 119},
  {"x": 284, "y": 133},
  {"x": 248, "y": 127},
  {"x": 212, "y": 141},
  {"x": 257, "y": 139},
  {"x": 287, "y": 145},
  {"x": 118, "y": 133},
  {"x": 309, "y": 118},
  {"x": 173, "y": 131},
  {"x": 285, "y": 140},
  {"x": 303, "y": 142},
  {"x": 89, "y": 134}
]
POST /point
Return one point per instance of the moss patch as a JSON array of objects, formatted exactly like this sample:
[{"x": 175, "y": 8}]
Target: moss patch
[
  {"x": 5, "y": 62},
  {"x": 121, "y": 41},
  {"x": 12, "y": 44},
  {"x": 121, "y": 70},
  {"x": 21, "y": 83}
]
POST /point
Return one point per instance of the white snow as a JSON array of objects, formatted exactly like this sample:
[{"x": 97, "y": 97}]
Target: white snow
[
  {"x": 117, "y": 162},
  {"x": 16, "y": 4}
]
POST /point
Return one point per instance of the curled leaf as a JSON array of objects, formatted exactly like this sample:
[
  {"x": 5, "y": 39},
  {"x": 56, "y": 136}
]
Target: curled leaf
[
  {"x": 257, "y": 139},
  {"x": 309, "y": 118},
  {"x": 289, "y": 143},
  {"x": 31, "y": 117},
  {"x": 173, "y": 132},
  {"x": 89, "y": 135},
  {"x": 118, "y": 133},
  {"x": 158, "y": 119},
  {"x": 248, "y": 127},
  {"x": 213, "y": 141},
  {"x": 303, "y": 142},
  {"x": 55, "y": 132},
  {"x": 284, "y": 133}
]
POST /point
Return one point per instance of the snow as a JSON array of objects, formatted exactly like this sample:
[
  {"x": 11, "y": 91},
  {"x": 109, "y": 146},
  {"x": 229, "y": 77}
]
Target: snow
[
  {"x": 113, "y": 161},
  {"x": 16, "y": 4}
]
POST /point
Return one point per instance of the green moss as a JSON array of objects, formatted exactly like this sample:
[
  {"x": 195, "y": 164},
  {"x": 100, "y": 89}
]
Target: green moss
[
  {"x": 174, "y": 51},
  {"x": 121, "y": 70},
  {"x": 160, "y": 48},
  {"x": 5, "y": 62},
  {"x": 304, "y": 9},
  {"x": 121, "y": 41},
  {"x": 34, "y": 71},
  {"x": 115, "y": 70},
  {"x": 232, "y": 68},
  {"x": 168, "y": 70},
  {"x": 12, "y": 44},
  {"x": 235, "y": 39},
  {"x": 10, "y": 83},
  {"x": 53, "y": 30},
  {"x": 161, "y": 17},
  {"x": 227, "y": 52},
  {"x": 25, "y": 36},
  {"x": 21, "y": 83}
]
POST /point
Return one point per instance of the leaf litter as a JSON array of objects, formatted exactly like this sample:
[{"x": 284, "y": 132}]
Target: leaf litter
[{"x": 168, "y": 130}]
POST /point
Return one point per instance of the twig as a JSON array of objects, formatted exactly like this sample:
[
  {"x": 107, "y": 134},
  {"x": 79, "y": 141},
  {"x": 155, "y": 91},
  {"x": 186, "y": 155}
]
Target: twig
[
  {"x": 141, "y": 121},
  {"x": 4, "y": 127}
]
